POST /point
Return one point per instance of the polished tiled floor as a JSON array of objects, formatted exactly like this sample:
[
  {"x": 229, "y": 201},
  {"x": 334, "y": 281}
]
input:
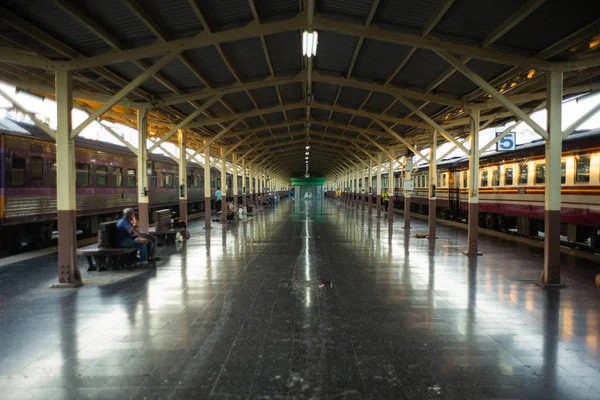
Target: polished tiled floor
[{"x": 306, "y": 300}]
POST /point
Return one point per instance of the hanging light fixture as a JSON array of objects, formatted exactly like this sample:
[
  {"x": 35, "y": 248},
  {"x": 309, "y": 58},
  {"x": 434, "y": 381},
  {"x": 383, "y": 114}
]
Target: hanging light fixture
[{"x": 309, "y": 43}]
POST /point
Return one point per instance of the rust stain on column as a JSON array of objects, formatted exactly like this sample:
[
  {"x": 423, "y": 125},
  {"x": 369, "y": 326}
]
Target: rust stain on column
[
  {"x": 552, "y": 247},
  {"x": 68, "y": 273},
  {"x": 473, "y": 225},
  {"x": 143, "y": 216},
  {"x": 390, "y": 209},
  {"x": 369, "y": 201},
  {"x": 224, "y": 208},
  {"x": 378, "y": 205},
  {"x": 207, "y": 212},
  {"x": 431, "y": 219}
]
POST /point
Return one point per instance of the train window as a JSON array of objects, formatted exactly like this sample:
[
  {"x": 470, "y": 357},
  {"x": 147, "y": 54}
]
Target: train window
[
  {"x": 163, "y": 180},
  {"x": 508, "y": 175},
  {"x": 582, "y": 168},
  {"x": 18, "y": 172},
  {"x": 523, "y": 172},
  {"x": 118, "y": 177},
  {"x": 484, "y": 178},
  {"x": 37, "y": 168},
  {"x": 82, "y": 175},
  {"x": 131, "y": 181},
  {"x": 563, "y": 172},
  {"x": 153, "y": 180},
  {"x": 101, "y": 173},
  {"x": 496, "y": 177},
  {"x": 465, "y": 179},
  {"x": 169, "y": 180},
  {"x": 540, "y": 173}
]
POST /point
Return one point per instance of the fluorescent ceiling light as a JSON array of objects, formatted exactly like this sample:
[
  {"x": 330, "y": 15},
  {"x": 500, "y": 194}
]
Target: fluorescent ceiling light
[{"x": 309, "y": 43}]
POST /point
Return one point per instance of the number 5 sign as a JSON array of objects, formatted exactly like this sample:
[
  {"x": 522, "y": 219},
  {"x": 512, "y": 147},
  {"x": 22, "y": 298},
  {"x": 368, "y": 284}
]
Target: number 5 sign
[{"x": 508, "y": 142}]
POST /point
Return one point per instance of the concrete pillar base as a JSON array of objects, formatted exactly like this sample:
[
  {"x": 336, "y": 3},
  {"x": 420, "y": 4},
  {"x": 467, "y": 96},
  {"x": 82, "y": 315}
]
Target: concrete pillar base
[
  {"x": 183, "y": 210},
  {"x": 431, "y": 218},
  {"x": 68, "y": 273},
  {"x": 551, "y": 247},
  {"x": 473, "y": 226},
  {"x": 207, "y": 213},
  {"x": 144, "y": 216}
]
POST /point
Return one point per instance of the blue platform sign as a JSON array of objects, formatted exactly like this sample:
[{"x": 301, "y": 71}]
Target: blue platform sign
[{"x": 508, "y": 142}]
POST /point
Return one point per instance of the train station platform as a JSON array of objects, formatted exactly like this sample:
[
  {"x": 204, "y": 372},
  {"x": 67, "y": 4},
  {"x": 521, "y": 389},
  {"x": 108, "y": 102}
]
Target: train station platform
[{"x": 306, "y": 299}]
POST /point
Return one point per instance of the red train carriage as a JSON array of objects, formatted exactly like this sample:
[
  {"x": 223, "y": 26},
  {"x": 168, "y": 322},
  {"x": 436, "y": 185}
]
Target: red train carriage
[{"x": 106, "y": 182}]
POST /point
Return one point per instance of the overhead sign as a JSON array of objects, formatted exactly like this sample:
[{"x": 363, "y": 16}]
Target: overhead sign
[{"x": 508, "y": 142}]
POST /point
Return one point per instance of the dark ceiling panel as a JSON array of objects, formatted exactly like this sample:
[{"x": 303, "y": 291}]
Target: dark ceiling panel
[
  {"x": 175, "y": 17},
  {"x": 274, "y": 118},
  {"x": 269, "y": 10},
  {"x": 324, "y": 92},
  {"x": 296, "y": 114},
  {"x": 554, "y": 20},
  {"x": 346, "y": 10},
  {"x": 464, "y": 18},
  {"x": 239, "y": 101},
  {"x": 117, "y": 18},
  {"x": 211, "y": 65},
  {"x": 319, "y": 114},
  {"x": 378, "y": 102},
  {"x": 291, "y": 92},
  {"x": 265, "y": 97},
  {"x": 182, "y": 76},
  {"x": 285, "y": 50},
  {"x": 340, "y": 118},
  {"x": 337, "y": 49},
  {"x": 378, "y": 60},
  {"x": 423, "y": 67},
  {"x": 247, "y": 58},
  {"x": 56, "y": 22},
  {"x": 222, "y": 15},
  {"x": 406, "y": 15},
  {"x": 352, "y": 98}
]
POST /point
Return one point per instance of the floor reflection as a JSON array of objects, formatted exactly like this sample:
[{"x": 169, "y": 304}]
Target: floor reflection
[{"x": 304, "y": 300}]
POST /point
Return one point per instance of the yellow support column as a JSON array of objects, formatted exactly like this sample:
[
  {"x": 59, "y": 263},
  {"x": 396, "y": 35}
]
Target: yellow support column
[
  {"x": 207, "y": 193},
  {"x": 183, "y": 190},
  {"x": 68, "y": 273},
  {"x": 142, "y": 173}
]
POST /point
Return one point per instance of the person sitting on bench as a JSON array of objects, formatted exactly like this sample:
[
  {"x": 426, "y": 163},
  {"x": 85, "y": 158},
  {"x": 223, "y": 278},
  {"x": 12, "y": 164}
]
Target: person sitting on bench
[
  {"x": 152, "y": 240},
  {"x": 129, "y": 237}
]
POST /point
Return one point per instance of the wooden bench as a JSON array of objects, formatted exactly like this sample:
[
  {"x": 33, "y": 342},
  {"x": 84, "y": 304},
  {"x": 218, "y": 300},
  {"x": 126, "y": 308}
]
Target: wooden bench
[
  {"x": 108, "y": 254},
  {"x": 167, "y": 237},
  {"x": 103, "y": 259}
]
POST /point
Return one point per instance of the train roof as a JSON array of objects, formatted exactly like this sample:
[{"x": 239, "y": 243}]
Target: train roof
[{"x": 11, "y": 127}]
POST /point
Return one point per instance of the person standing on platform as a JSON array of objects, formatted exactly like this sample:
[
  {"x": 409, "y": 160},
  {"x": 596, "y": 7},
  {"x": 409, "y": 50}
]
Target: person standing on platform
[
  {"x": 385, "y": 198},
  {"x": 219, "y": 198}
]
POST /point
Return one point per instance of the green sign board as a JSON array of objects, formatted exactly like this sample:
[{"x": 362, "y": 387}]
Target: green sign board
[{"x": 316, "y": 181}]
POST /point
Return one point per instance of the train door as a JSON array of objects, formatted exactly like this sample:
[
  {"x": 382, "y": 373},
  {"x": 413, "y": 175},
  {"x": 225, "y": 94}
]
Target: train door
[{"x": 454, "y": 193}]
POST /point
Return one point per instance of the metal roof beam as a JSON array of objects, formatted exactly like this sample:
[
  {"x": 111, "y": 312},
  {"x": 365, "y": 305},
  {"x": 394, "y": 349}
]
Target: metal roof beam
[
  {"x": 385, "y": 117},
  {"x": 434, "y": 44},
  {"x": 355, "y": 83},
  {"x": 186, "y": 121},
  {"x": 203, "y": 39},
  {"x": 253, "y": 113},
  {"x": 235, "y": 88},
  {"x": 38, "y": 122},
  {"x": 479, "y": 81},
  {"x": 124, "y": 91}
]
